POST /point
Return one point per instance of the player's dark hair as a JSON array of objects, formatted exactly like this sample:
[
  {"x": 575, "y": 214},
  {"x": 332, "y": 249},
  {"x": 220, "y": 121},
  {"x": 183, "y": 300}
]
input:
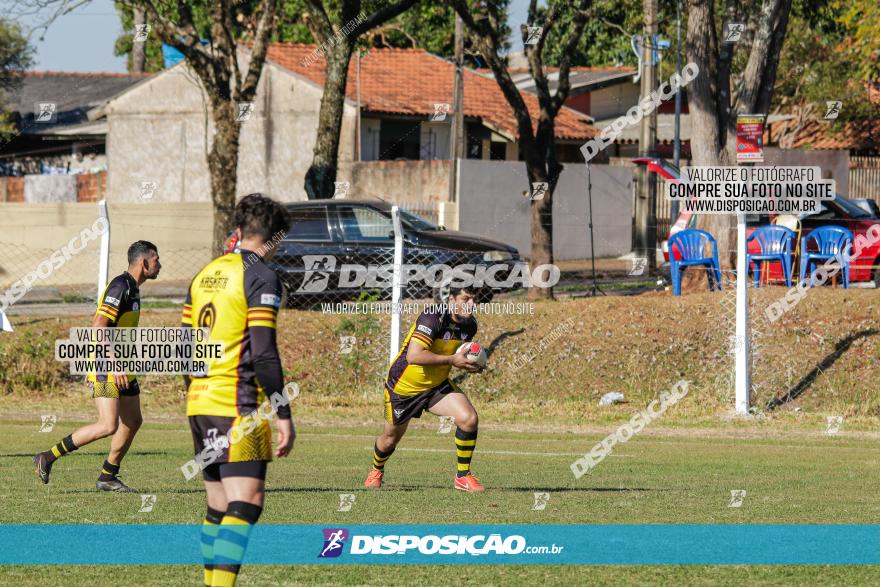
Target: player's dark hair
[
  {"x": 454, "y": 291},
  {"x": 257, "y": 215},
  {"x": 140, "y": 249}
]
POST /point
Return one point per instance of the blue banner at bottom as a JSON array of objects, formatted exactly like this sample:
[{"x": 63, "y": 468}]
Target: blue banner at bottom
[{"x": 612, "y": 544}]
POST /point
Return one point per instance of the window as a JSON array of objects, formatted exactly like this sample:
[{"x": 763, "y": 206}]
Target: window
[
  {"x": 399, "y": 140},
  {"x": 365, "y": 224},
  {"x": 308, "y": 224},
  {"x": 497, "y": 151}
]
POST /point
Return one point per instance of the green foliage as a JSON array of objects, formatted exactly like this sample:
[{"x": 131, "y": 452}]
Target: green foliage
[
  {"x": 817, "y": 63},
  {"x": 16, "y": 56}
]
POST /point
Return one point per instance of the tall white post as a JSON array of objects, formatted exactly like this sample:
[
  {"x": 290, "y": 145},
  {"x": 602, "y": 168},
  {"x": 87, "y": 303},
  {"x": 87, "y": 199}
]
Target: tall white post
[
  {"x": 394, "y": 344},
  {"x": 104, "y": 258},
  {"x": 743, "y": 342}
]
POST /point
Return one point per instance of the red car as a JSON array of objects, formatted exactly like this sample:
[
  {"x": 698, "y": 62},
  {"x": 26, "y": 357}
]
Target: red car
[{"x": 838, "y": 212}]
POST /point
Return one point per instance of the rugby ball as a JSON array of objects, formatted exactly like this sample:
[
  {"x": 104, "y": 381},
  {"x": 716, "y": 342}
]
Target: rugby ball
[{"x": 474, "y": 353}]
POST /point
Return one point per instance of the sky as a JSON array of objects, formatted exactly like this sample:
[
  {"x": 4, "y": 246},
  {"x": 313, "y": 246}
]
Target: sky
[{"x": 83, "y": 39}]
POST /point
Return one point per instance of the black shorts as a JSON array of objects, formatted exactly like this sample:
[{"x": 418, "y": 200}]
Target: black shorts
[
  {"x": 231, "y": 446},
  {"x": 401, "y": 408},
  {"x": 109, "y": 389}
]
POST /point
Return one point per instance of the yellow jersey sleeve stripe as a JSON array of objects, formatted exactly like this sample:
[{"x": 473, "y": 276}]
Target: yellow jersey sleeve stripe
[
  {"x": 102, "y": 312},
  {"x": 109, "y": 309},
  {"x": 422, "y": 343},
  {"x": 265, "y": 323},
  {"x": 422, "y": 337},
  {"x": 262, "y": 309}
]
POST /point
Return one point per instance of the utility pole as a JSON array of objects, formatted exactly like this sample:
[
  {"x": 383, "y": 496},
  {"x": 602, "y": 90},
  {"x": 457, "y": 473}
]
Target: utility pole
[
  {"x": 139, "y": 48},
  {"x": 457, "y": 131},
  {"x": 646, "y": 185},
  {"x": 676, "y": 155}
]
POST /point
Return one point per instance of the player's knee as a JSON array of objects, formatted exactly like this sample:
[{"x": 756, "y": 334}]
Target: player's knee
[
  {"x": 469, "y": 421},
  {"x": 134, "y": 422},
  {"x": 107, "y": 428}
]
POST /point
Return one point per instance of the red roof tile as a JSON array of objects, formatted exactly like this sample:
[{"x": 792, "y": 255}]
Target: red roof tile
[
  {"x": 411, "y": 81},
  {"x": 822, "y": 134}
]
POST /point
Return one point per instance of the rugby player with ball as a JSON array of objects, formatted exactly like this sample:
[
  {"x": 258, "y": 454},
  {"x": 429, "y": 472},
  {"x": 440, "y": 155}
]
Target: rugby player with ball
[{"x": 418, "y": 381}]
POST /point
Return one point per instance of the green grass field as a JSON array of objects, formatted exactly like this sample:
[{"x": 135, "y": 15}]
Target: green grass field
[
  {"x": 535, "y": 420},
  {"x": 661, "y": 476}
]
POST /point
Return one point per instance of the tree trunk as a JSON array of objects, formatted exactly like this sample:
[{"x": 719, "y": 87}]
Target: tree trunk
[
  {"x": 223, "y": 167},
  {"x": 708, "y": 137},
  {"x": 541, "y": 209},
  {"x": 322, "y": 173}
]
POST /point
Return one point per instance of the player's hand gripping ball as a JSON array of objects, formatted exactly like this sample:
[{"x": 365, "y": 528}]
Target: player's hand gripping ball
[{"x": 475, "y": 354}]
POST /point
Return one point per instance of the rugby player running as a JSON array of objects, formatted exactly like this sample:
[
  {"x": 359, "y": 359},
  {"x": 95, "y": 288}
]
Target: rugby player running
[
  {"x": 418, "y": 381},
  {"x": 117, "y": 395}
]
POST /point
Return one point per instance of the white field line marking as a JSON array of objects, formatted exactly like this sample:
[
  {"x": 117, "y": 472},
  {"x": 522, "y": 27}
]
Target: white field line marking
[{"x": 501, "y": 452}]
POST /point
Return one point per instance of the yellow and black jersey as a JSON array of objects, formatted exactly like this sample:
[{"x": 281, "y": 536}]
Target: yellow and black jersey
[
  {"x": 237, "y": 297},
  {"x": 120, "y": 303},
  {"x": 440, "y": 334}
]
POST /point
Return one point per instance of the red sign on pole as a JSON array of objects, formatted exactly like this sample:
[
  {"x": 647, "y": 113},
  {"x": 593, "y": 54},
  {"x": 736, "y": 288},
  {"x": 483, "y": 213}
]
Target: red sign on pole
[{"x": 750, "y": 138}]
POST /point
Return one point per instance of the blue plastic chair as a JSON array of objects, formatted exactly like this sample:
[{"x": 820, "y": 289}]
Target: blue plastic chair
[
  {"x": 690, "y": 245},
  {"x": 831, "y": 242},
  {"x": 774, "y": 243}
]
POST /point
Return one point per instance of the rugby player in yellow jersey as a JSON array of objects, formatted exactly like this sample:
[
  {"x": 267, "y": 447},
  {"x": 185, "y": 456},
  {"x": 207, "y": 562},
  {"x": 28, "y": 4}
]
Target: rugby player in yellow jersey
[
  {"x": 117, "y": 395},
  {"x": 237, "y": 297},
  {"x": 418, "y": 381}
]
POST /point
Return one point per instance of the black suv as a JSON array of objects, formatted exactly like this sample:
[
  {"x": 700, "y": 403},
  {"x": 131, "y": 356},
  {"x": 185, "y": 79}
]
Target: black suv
[{"x": 324, "y": 235}]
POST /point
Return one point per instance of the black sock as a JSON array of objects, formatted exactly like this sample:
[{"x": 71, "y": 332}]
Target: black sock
[
  {"x": 379, "y": 457},
  {"x": 64, "y": 447},
  {"x": 465, "y": 442},
  {"x": 108, "y": 471}
]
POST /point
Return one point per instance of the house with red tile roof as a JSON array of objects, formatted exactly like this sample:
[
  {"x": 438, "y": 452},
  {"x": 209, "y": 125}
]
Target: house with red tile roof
[{"x": 396, "y": 117}]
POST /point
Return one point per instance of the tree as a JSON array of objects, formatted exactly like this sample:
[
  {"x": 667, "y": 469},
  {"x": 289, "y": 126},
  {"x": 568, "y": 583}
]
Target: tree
[
  {"x": 16, "y": 56},
  {"x": 537, "y": 143},
  {"x": 720, "y": 91},
  {"x": 337, "y": 37},
  {"x": 216, "y": 65}
]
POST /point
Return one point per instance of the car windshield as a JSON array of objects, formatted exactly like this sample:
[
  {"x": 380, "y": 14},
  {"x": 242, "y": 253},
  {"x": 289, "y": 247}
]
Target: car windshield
[
  {"x": 416, "y": 222},
  {"x": 851, "y": 209}
]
